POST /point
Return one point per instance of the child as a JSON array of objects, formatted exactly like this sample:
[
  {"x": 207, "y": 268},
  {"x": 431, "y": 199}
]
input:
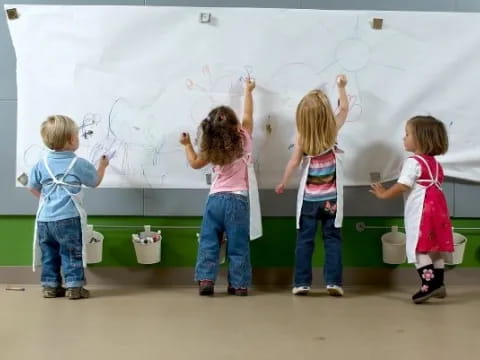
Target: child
[
  {"x": 320, "y": 194},
  {"x": 227, "y": 144},
  {"x": 60, "y": 226},
  {"x": 427, "y": 221}
]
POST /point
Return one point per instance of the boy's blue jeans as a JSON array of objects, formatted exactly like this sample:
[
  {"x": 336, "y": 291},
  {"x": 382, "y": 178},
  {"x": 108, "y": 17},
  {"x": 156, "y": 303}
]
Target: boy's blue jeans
[{"x": 61, "y": 245}]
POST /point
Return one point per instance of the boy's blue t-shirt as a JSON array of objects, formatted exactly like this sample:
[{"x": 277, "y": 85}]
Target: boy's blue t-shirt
[{"x": 59, "y": 205}]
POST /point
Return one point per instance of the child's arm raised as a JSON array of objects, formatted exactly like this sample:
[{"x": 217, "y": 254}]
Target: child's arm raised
[
  {"x": 247, "y": 121},
  {"x": 380, "y": 192},
  {"x": 292, "y": 164},
  {"x": 342, "y": 101},
  {"x": 101, "y": 169},
  {"x": 193, "y": 159}
]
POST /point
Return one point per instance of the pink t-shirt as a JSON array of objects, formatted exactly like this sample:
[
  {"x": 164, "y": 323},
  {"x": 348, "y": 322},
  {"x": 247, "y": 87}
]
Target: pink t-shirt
[{"x": 233, "y": 177}]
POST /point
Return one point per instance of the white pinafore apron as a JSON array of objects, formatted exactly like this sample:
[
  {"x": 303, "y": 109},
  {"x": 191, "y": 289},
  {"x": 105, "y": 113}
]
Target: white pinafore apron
[
  {"x": 77, "y": 199},
  {"x": 339, "y": 181},
  {"x": 414, "y": 209}
]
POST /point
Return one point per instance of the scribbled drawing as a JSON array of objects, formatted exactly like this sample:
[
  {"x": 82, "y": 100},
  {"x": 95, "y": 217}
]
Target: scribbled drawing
[
  {"x": 355, "y": 108},
  {"x": 135, "y": 151},
  {"x": 220, "y": 85},
  {"x": 89, "y": 122}
]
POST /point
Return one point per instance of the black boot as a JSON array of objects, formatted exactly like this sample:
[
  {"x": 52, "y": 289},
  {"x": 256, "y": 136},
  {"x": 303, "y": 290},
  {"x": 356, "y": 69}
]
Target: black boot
[
  {"x": 430, "y": 285},
  {"x": 440, "y": 277}
]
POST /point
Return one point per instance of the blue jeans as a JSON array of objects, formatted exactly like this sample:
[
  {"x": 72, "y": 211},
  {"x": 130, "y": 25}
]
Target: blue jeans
[
  {"x": 312, "y": 212},
  {"x": 61, "y": 245},
  {"x": 225, "y": 213}
]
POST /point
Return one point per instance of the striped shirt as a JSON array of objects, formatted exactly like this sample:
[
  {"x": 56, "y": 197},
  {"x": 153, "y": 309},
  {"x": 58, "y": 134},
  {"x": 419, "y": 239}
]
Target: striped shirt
[{"x": 321, "y": 181}]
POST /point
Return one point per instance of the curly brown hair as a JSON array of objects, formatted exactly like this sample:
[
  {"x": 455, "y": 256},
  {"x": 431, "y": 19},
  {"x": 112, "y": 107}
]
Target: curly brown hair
[{"x": 220, "y": 141}]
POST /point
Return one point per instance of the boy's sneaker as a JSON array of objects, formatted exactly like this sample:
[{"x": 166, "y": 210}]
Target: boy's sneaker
[
  {"x": 76, "y": 293},
  {"x": 205, "y": 287},
  {"x": 237, "y": 291},
  {"x": 334, "y": 290},
  {"x": 49, "y": 292},
  {"x": 301, "y": 290}
]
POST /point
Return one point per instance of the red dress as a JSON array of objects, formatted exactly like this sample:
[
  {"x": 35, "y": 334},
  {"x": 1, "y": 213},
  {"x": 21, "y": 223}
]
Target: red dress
[{"x": 436, "y": 233}]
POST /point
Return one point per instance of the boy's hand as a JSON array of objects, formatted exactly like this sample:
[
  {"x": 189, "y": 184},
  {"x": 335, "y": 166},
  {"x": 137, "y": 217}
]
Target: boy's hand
[
  {"x": 341, "y": 81},
  {"x": 377, "y": 190},
  {"x": 185, "y": 139},
  {"x": 249, "y": 85},
  {"x": 280, "y": 189},
  {"x": 104, "y": 161}
]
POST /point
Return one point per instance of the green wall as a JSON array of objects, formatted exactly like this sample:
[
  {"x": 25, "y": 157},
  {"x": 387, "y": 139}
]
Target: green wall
[{"x": 179, "y": 246}]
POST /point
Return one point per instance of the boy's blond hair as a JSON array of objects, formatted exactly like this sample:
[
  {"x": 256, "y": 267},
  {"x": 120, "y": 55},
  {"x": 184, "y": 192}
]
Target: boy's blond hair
[
  {"x": 57, "y": 131},
  {"x": 316, "y": 124}
]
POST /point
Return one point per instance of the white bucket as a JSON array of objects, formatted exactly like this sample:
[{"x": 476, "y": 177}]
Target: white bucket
[
  {"x": 393, "y": 247},
  {"x": 459, "y": 243},
  {"x": 148, "y": 253},
  {"x": 223, "y": 250},
  {"x": 94, "y": 246}
]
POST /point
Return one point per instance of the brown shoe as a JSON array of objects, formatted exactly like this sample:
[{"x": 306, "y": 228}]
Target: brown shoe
[
  {"x": 49, "y": 292},
  {"x": 77, "y": 293},
  {"x": 205, "y": 287},
  {"x": 237, "y": 291}
]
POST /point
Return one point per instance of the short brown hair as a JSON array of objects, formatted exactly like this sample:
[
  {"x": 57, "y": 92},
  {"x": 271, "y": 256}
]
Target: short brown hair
[
  {"x": 57, "y": 131},
  {"x": 220, "y": 141},
  {"x": 430, "y": 135}
]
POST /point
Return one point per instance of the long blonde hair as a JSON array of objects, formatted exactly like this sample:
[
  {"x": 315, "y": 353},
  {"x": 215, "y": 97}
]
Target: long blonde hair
[{"x": 316, "y": 125}]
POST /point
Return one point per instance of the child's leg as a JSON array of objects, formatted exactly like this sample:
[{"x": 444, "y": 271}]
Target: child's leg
[
  {"x": 209, "y": 247},
  {"x": 439, "y": 272},
  {"x": 438, "y": 260},
  {"x": 69, "y": 234},
  {"x": 332, "y": 240},
  {"x": 51, "y": 260},
  {"x": 237, "y": 228},
  {"x": 305, "y": 244},
  {"x": 430, "y": 285},
  {"x": 423, "y": 259}
]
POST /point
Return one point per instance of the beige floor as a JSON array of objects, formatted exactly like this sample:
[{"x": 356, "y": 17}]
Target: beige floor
[{"x": 175, "y": 323}]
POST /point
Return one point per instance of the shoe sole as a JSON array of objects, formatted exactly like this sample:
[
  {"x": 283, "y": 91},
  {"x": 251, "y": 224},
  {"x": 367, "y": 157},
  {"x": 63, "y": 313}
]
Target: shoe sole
[
  {"x": 80, "y": 296},
  {"x": 301, "y": 292},
  {"x": 441, "y": 294},
  {"x": 335, "y": 292},
  {"x": 54, "y": 294},
  {"x": 206, "y": 292},
  {"x": 77, "y": 298},
  {"x": 234, "y": 293},
  {"x": 437, "y": 293},
  {"x": 49, "y": 296}
]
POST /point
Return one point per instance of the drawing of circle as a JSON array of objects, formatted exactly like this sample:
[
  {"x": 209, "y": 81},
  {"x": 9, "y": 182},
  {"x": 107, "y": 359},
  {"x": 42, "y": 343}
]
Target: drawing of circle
[{"x": 352, "y": 54}]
